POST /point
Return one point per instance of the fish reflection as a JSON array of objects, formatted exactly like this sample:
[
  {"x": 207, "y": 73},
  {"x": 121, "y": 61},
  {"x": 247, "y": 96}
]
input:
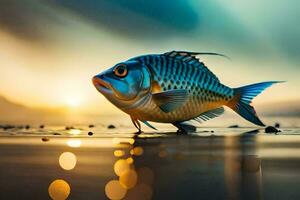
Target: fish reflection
[
  {"x": 59, "y": 189},
  {"x": 242, "y": 168},
  {"x": 67, "y": 160},
  {"x": 133, "y": 182}
]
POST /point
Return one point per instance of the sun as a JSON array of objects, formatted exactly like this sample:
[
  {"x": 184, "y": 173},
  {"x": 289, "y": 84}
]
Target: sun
[{"x": 73, "y": 101}]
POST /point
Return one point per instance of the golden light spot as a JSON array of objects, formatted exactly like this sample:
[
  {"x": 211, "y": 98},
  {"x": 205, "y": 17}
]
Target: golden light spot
[
  {"x": 75, "y": 131},
  {"x": 128, "y": 179},
  {"x": 140, "y": 191},
  {"x": 67, "y": 160},
  {"x": 123, "y": 140},
  {"x": 74, "y": 143},
  {"x": 145, "y": 175},
  {"x": 119, "y": 153},
  {"x": 121, "y": 166},
  {"x": 130, "y": 160},
  {"x": 137, "y": 151},
  {"x": 73, "y": 101},
  {"x": 114, "y": 190},
  {"x": 163, "y": 153},
  {"x": 59, "y": 190}
]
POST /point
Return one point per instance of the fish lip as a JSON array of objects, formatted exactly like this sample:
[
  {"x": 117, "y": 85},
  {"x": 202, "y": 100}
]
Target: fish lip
[{"x": 101, "y": 85}]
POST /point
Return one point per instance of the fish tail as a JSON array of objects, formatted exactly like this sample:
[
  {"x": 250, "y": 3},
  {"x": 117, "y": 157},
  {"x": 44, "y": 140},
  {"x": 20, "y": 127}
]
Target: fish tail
[{"x": 243, "y": 97}]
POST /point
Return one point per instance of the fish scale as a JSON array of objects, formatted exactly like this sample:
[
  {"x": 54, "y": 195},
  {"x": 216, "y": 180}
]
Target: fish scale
[{"x": 168, "y": 72}]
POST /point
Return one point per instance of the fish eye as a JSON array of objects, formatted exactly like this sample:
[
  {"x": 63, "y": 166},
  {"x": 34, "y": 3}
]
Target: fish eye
[{"x": 120, "y": 70}]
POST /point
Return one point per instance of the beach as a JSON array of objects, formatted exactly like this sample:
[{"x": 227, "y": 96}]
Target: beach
[{"x": 114, "y": 163}]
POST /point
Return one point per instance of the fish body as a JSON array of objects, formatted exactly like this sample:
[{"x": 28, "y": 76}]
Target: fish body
[
  {"x": 204, "y": 90},
  {"x": 173, "y": 87}
]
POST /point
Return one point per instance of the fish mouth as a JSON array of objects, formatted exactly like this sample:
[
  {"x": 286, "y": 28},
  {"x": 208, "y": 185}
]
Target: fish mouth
[{"x": 101, "y": 85}]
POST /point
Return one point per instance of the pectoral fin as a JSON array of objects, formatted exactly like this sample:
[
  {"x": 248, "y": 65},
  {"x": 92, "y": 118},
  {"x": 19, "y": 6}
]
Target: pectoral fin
[{"x": 170, "y": 100}]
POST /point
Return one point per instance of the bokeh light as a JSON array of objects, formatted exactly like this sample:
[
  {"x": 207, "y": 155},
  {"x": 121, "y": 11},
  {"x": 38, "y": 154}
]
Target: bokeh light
[
  {"x": 137, "y": 151},
  {"x": 59, "y": 190},
  {"x": 130, "y": 160},
  {"x": 119, "y": 153},
  {"x": 114, "y": 190},
  {"x": 67, "y": 160},
  {"x": 121, "y": 166},
  {"x": 128, "y": 179}
]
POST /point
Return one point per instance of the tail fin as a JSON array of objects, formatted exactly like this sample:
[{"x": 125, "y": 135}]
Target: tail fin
[{"x": 243, "y": 97}]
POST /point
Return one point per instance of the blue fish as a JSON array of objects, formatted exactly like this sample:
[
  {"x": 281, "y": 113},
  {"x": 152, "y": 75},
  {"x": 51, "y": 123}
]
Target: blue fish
[{"x": 174, "y": 87}]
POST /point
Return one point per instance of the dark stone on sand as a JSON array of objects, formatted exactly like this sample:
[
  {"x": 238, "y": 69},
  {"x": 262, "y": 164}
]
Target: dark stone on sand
[
  {"x": 27, "y": 127},
  {"x": 69, "y": 127},
  {"x": 45, "y": 139},
  {"x": 6, "y": 127},
  {"x": 90, "y": 133},
  {"x": 42, "y": 126},
  {"x": 234, "y": 126},
  {"x": 111, "y": 126},
  {"x": 56, "y": 134},
  {"x": 277, "y": 125},
  {"x": 91, "y": 126},
  {"x": 271, "y": 129}
]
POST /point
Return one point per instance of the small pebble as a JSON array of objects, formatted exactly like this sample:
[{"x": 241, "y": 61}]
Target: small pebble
[
  {"x": 45, "y": 139},
  {"x": 56, "y": 134},
  {"x": 111, "y": 126},
  {"x": 27, "y": 127},
  {"x": 91, "y": 126},
  {"x": 42, "y": 126},
  {"x": 234, "y": 126},
  {"x": 90, "y": 133},
  {"x": 277, "y": 125},
  {"x": 5, "y": 127},
  {"x": 69, "y": 127},
  {"x": 271, "y": 129}
]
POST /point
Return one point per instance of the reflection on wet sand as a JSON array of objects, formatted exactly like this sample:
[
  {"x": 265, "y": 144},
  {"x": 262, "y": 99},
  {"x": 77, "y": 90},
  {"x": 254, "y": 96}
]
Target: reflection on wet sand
[
  {"x": 242, "y": 169},
  {"x": 132, "y": 183},
  {"x": 74, "y": 143},
  {"x": 60, "y": 189},
  {"x": 219, "y": 165}
]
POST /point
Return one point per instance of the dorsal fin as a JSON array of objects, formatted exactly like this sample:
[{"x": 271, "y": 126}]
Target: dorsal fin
[
  {"x": 191, "y": 55},
  {"x": 190, "y": 58}
]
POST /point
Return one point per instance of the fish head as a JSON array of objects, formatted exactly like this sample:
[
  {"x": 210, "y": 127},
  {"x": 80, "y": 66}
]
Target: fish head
[{"x": 124, "y": 83}]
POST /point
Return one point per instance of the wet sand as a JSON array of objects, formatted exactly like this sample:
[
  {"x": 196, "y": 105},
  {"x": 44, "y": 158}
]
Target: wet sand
[{"x": 230, "y": 163}]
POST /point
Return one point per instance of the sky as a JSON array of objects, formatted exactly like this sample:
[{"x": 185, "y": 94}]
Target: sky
[{"x": 50, "y": 50}]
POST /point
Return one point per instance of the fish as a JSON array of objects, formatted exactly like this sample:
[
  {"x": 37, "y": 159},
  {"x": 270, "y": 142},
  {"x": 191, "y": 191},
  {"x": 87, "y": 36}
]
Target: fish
[{"x": 174, "y": 87}]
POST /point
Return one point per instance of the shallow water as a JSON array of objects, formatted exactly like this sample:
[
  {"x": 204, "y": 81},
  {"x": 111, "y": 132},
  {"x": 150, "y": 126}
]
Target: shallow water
[{"x": 214, "y": 163}]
